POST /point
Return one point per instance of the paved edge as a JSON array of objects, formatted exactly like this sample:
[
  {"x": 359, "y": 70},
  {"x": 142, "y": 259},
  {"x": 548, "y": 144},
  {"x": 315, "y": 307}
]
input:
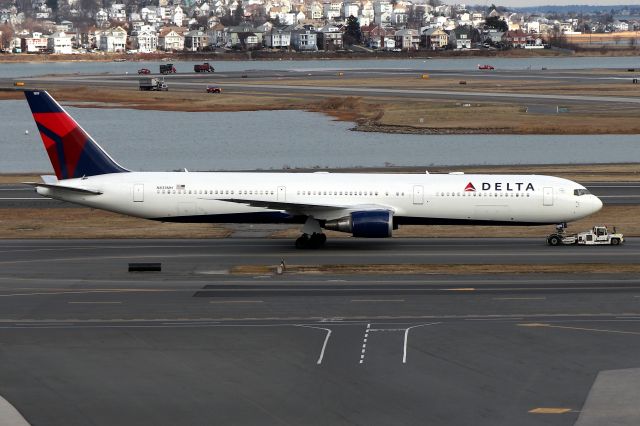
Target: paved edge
[
  {"x": 614, "y": 399},
  {"x": 9, "y": 416}
]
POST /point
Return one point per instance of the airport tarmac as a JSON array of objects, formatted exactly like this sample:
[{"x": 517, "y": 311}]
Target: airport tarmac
[
  {"x": 254, "y": 81},
  {"x": 23, "y": 196},
  {"x": 86, "y": 342}
]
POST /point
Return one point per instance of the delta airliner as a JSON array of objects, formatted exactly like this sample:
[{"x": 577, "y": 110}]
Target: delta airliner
[{"x": 364, "y": 205}]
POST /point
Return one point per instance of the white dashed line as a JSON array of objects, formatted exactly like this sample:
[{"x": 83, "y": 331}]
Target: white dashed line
[{"x": 364, "y": 343}]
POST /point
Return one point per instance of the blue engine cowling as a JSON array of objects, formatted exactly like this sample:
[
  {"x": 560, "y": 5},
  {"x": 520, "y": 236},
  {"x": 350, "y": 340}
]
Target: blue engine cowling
[{"x": 365, "y": 224}]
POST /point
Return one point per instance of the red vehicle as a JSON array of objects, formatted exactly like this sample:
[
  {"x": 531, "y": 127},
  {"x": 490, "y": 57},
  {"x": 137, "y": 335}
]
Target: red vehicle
[
  {"x": 214, "y": 89},
  {"x": 486, "y": 67},
  {"x": 203, "y": 67},
  {"x": 144, "y": 71}
]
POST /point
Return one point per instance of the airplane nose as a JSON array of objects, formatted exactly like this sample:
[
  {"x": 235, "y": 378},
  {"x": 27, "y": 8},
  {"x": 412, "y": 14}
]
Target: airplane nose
[{"x": 596, "y": 203}]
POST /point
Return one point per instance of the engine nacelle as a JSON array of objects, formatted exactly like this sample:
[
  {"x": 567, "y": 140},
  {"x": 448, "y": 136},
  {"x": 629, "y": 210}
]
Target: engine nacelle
[{"x": 366, "y": 224}]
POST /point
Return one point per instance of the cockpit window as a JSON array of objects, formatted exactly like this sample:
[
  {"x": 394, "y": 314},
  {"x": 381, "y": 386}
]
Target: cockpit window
[{"x": 580, "y": 192}]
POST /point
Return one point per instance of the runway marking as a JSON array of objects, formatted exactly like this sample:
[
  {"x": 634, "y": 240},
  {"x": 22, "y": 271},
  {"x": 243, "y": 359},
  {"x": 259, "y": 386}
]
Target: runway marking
[
  {"x": 460, "y": 289},
  {"x": 550, "y": 410},
  {"x": 598, "y": 330},
  {"x": 25, "y": 198},
  {"x": 95, "y": 303},
  {"x": 494, "y": 319},
  {"x": 406, "y": 338},
  {"x": 519, "y": 298},
  {"x": 364, "y": 342},
  {"x": 326, "y": 339},
  {"x": 57, "y": 293},
  {"x": 376, "y": 300},
  {"x": 235, "y": 301}
]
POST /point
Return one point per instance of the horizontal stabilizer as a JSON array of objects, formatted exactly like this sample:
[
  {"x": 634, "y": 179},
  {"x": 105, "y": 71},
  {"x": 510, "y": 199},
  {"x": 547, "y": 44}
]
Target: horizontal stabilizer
[{"x": 63, "y": 188}]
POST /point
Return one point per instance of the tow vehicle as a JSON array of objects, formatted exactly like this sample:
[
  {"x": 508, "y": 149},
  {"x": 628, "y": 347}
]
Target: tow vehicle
[
  {"x": 214, "y": 89},
  {"x": 144, "y": 71},
  {"x": 598, "y": 235},
  {"x": 486, "y": 67}
]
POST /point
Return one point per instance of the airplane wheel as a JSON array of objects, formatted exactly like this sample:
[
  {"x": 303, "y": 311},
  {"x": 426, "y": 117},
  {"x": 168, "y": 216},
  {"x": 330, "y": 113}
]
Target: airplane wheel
[
  {"x": 302, "y": 242},
  {"x": 319, "y": 239},
  {"x": 553, "y": 240}
]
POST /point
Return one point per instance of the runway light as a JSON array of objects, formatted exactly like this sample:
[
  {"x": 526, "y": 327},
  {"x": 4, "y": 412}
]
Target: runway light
[{"x": 26, "y": 132}]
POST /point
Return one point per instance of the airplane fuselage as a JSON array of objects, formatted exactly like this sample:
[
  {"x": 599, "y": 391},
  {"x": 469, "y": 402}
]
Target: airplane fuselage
[{"x": 217, "y": 197}]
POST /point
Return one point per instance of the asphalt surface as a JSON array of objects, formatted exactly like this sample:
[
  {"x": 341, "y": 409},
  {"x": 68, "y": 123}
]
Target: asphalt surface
[
  {"x": 86, "y": 342},
  {"x": 23, "y": 196},
  {"x": 253, "y": 81}
]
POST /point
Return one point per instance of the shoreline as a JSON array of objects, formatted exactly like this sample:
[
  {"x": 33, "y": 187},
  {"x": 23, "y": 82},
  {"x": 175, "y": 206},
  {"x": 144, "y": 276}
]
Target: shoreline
[{"x": 263, "y": 55}]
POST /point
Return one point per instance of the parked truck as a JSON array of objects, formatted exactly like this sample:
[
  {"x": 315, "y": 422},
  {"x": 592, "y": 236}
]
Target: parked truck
[
  {"x": 167, "y": 69},
  {"x": 598, "y": 235},
  {"x": 203, "y": 67},
  {"x": 152, "y": 83}
]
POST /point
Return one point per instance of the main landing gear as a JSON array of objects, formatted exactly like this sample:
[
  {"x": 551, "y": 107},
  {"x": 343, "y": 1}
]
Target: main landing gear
[
  {"x": 313, "y": 241},
  {"x": 312, "y": 236}
]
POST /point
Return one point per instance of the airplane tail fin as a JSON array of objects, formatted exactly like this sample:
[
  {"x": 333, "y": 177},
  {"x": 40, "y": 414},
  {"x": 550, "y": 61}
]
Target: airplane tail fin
[{"x": 73, "y": 153}]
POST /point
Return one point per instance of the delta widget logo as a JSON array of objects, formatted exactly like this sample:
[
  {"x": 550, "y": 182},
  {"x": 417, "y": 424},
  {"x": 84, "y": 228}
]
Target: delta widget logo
[{"x": 470, "y": 188}]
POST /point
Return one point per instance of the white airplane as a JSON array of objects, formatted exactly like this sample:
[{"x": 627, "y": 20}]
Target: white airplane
[{"x": 364, "y": 205}]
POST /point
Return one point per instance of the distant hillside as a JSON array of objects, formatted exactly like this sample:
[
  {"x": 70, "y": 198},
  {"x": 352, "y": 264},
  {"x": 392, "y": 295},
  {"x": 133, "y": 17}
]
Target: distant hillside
[{"x": 634, "y": 9}]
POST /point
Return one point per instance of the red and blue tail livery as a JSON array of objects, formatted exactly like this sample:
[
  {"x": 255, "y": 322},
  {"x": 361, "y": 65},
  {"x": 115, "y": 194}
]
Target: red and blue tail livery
[{"x": 73, "y": 153}]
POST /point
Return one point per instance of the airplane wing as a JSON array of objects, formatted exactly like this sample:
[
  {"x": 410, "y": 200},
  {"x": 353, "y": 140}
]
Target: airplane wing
[
  {"x": 64, "y": 188},
  {"x": 316, "y": 210}
]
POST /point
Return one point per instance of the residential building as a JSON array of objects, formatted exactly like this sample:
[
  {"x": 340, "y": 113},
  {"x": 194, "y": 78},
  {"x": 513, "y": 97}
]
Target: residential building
[
  {"x": 113, "y": 40},
  {"x": 435, "y": 38},
  {"x": 304, "y": 40},
  {"x": 407, "y": 39},
  {"x": 59, "y": 42},
  {"x": 460, "y": 38},
  {"x": 34, "y": 43},
  {"x": 330, "y": 38},
  {"x": 170, "y": 39},
  {"x": 145, "y": 40},
  {"x": 195, "y": 40},
  {"x": 278, "y": 38}
]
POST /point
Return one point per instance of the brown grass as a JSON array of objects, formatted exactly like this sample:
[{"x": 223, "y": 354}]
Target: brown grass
[
  {"x": 442, "y": 269},
  {"x": 89, "y": 223},
  {"x": 78, "y": 222}
]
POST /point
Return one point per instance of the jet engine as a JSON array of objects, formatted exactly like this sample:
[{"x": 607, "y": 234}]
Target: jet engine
[{"x": 365, "y": 224}]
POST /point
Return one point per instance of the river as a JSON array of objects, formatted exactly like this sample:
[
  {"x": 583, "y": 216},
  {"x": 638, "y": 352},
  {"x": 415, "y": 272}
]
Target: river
[
  {"x": 35, "y": 68},
  {"x": 161, "y": 140}
]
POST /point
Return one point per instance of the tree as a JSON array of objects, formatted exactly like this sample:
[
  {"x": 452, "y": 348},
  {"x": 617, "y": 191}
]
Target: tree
[
  {"x": 353, "y": 34},
  {"x": 238, "y": 14},
  {"x": 496, "y": 23}
]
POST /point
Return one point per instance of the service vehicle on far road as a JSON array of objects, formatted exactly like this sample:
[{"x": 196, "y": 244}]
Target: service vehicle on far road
[
  {"x": 154, "y": 84},
  {"x": 486, "y": 67},
  {"x": 144, "y": 71},
  {"x": 167, "y": 69},
  {"x": 598, "y": 235},
  {"x": 203, "y": 67},
  {"x": 214, "y": 89}
]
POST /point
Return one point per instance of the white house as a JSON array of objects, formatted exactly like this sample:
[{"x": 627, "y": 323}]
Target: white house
[
  {"x": 113, "y": 40},
  {"x": 59, "y": 42},
  {"x": 170, "y": 39},
  {"x": 278, "y": 38},
  {"x": 145, "y": 39}
]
